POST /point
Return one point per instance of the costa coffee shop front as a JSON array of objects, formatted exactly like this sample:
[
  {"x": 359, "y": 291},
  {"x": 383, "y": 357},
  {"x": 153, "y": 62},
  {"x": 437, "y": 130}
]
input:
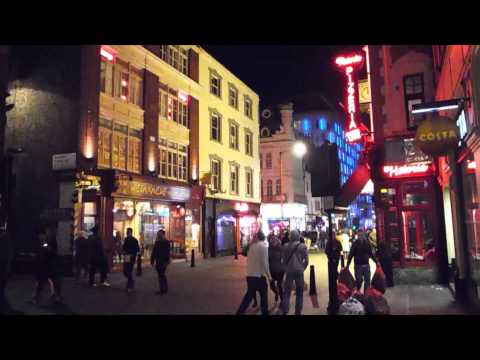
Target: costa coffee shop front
[{"x": 146, "y": 205}]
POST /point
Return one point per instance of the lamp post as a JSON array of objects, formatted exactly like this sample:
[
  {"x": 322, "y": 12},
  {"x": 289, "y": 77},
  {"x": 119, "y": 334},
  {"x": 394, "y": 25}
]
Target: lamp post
[{"x": 299, "y": 149}]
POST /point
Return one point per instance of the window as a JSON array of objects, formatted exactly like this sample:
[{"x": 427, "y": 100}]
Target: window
[
  {"x": 248, "y": 107},
  {"x": 106, "y": 77},
  {"x": 414, "y": 94},
  {"x": 249, "y": 182},
  {"x": 269, "y": 188},
  {"x": 269, "y": 161},
  {"x": 136, "y": 87},
  {"x": 215, "y": 84},
  {"x": 248, "y": 143},
  {"x": 163, "y": 104},
  {"x": 215, "y": 127},
  {"x": 232, "y": 96},
  {"x": 176, "y": 56},
  {"x": 183, "y": 111},
  {"x": 233, "y": 135},
  {"x": 216, "y": 175},
  {"x": 317, "y": 205},
  {"x": 261, "y": 161},
  {"x": 278, "y": 187},
  {"x": 174, "y": 105},
  {"x": 173, "y": 160},
  {"x": 234, "y": 179},
  {"x": 119, "y": 146}
]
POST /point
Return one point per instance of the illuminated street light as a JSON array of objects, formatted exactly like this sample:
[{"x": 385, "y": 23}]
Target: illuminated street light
[
  {"x": 436, "y": 106},
  {"x": 299, "y": 149}
]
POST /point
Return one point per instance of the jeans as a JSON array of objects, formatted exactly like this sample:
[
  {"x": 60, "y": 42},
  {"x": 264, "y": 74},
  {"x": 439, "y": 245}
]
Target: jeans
[
  {"x": 255, "y": 284},
  {"x": 332, "y": 286},
  {"x": 128, "y": 271},
  {"x": 162, "y": 279},
  {"x": 299, "y": 283},
  {"x": 278, "y": 282},
  {"x": 362, "y": 273},
  {"x": 95, "y": 267}
]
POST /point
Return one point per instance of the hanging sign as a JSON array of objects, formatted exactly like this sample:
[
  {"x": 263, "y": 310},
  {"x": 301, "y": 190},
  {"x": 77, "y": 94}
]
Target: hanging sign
[
  {"x": 437, "y": 135},
  {"x": 350, "y": 64}
]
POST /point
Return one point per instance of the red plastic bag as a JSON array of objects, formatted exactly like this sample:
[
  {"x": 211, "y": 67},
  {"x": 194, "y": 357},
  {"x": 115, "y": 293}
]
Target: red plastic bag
[
  {"x": 343, "y": 292},
  {"x": 379, "y": 281},
  {"x": 345, "y": 277},
  {"x": 372, "y": 292},
  {"x": 376, "y": 304}
]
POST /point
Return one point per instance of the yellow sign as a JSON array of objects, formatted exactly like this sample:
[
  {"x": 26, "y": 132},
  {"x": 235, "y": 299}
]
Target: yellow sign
[
  {"x": 136, "y": 188},
  {"x": 437, "y": 135},
  {"x": 364, "y": 92}
]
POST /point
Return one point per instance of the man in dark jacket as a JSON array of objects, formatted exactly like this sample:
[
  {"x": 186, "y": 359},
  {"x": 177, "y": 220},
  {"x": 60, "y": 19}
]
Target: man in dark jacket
[
  {"x": 130, "y": 252},
  {"x": 81, "y": 256},
  {"x": 47, "y": 265},
  {"x": 333, "y": 249},
  {"x": 160, "y": 258},
  {"x": 361, "y": 252},
  {"x": 97, "y": 258}
]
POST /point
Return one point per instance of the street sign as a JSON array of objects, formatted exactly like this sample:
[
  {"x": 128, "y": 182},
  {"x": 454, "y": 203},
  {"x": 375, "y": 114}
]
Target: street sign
[{"x": 64, "y": 161}]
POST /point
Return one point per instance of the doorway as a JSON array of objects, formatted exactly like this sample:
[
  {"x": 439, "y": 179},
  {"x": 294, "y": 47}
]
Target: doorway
[{"x": 418, "y": 237}]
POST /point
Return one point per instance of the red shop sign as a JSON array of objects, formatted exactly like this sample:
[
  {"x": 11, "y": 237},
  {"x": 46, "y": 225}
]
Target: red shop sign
[{"x": 407, "y": 170}]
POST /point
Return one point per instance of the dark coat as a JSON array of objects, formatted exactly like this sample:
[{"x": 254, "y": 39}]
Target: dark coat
[
  {"x": 333, "y": 249},
  {"x": 81, "y": 250},
  {"x": 361, "y": 251},
  {"x": 47, "y": 258},
  {"x": 96, "y": 252},
  {"x": 160, "y": 253},
  {"x": 131, "y": 247}
]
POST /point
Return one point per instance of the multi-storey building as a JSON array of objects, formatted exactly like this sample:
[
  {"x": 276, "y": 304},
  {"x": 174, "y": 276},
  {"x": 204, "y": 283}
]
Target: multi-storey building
[
  {"x": 228, "y": 157},
  {"x": 408, "y": 200},
  {"x": 118, "y": 135},
  {"x": 283, "y": 183}
]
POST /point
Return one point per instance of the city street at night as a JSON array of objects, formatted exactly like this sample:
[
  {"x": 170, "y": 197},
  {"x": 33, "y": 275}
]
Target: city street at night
[{"x": 212, "y": 287}]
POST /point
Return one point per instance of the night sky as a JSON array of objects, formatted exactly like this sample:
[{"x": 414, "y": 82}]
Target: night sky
[{"x": 279, "y": 72}]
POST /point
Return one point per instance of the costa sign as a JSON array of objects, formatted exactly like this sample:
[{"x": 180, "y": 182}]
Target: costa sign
[
  {"x": 349, "y": 64},
  {"x": 437, "y": 135}
]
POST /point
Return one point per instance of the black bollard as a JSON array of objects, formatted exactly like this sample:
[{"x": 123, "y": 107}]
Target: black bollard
[
  {"x": 313, "y": 285},
  {"x": 192, "y": 264},
  {"x": 342, "y": 259}
]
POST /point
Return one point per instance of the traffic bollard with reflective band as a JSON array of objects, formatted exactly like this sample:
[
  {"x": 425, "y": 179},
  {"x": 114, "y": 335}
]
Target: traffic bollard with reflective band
[
  {"x": 313, "y": 286},
  {"x": 193, "y": 258}
]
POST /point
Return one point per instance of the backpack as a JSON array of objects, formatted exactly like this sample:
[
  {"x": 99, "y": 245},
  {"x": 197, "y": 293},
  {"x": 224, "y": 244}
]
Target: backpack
[{"x": 351, "y": 306}]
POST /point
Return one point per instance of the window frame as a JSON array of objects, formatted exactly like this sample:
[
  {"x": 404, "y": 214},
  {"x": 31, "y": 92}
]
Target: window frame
[
  {"x": 215, "y": 75},
  {"x": 247, "y": 99},
  {"x": 215, "y": 113},
  {"x": 235, "y": 90},
  {"x": 248, "y": 149},
  {"x": 236, "y": 167},
  {"x": 233, "y": 124},
  {"x": 249, "y": 185},
  {"x": 268, "y": 161},
  {"x": 413, "y": 120},
  {"x": 216, "y": 177}
]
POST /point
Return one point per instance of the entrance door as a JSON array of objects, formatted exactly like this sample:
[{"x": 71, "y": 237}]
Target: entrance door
[{"x": 418, "y": 239}]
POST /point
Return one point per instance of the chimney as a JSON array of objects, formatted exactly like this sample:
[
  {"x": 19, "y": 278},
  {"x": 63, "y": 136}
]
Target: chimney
[{"x": 286, "y": 111}]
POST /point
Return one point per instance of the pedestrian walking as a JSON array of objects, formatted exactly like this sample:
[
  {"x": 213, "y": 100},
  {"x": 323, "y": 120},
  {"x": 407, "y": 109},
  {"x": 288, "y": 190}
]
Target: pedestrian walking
[
  {"x": 276, "y": 267},
  {"x": 384, "y": 257},
  {"x": 361, "y": 252},
  {"x": 81, "y": 256},
  {"x": 295, "y": 261},
  {"x": 117, "y": 241},
  {"x": 285, "y": 237},
  {"x": 131, "y": 249},
  {"x": 97, "y": 259},
  {"x": 47, "y": 266},
  {"x": 258, "y": 272},
  {"x": 160, "y": 258},
  {"x": 333, "y": 250},
  {"x": 5, "y": 264}
]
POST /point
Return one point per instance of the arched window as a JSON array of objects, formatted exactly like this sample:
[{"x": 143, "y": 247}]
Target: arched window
[
  {"x": 268, "y": 161},
  {"x": 269, "y": 188}
]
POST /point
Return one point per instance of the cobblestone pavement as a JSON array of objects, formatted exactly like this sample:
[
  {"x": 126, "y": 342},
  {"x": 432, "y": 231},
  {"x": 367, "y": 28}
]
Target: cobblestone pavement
[{"x": 213, "y": 286}]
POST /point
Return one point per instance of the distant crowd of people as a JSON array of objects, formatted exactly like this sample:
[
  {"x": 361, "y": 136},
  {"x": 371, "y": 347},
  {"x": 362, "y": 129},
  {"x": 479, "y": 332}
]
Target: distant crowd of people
[{"x": 90, "y": 258}]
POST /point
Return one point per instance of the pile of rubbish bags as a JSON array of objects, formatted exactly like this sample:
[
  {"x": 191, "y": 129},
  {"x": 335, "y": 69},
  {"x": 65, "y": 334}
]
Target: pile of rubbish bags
[{"x": 354, "y": 302}]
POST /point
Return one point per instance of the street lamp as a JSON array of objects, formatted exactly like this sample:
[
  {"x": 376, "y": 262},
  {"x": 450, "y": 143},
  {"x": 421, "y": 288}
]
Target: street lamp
[{"x": 299, "y": 149}]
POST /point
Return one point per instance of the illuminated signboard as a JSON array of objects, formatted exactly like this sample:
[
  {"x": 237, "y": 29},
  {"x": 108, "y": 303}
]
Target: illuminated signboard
[
  {"x": 394, "y": 171},
  {"x": 241, "y": 207},
  {"x": 349, "y": 64},
  {"x": 108, "y": 53}
]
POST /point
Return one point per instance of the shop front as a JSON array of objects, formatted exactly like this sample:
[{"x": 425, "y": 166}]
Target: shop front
[
  {"x": 409, "y": 212},
  {"x": 276, "y": 217},
  {"x": 236, "y": 223},
  {"x": 146, "y": 205}
]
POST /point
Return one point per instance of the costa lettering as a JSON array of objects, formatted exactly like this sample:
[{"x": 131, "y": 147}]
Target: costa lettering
[{"x": 437, "y": 135}]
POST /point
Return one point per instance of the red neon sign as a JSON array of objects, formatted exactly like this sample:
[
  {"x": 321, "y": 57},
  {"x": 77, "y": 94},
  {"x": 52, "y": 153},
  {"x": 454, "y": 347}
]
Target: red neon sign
[
  {"x": 241, "y": 207},
  {"x": 354, "y": 130},
  {"x": 108, "y": 53},
  {"x": 393, "y": 171},
  {"x": 471, "y": 165}
]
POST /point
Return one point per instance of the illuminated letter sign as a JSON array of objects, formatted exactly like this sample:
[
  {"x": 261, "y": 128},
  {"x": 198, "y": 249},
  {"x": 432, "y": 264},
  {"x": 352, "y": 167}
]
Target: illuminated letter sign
[
  {"x": 241, "y": 207},
  {"x": 108, "y": 53},
  {"x": 393, "y": 171},
  {"x": 349, "y": 64}
]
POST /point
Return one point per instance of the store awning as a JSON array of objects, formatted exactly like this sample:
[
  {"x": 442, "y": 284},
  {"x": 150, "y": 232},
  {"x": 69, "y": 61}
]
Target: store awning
[{"x": 353, "y": 187}]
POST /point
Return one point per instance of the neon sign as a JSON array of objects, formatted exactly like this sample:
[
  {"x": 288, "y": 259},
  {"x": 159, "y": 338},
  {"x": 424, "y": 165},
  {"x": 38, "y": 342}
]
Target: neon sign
[
  {"x": 471, "y": 165},
  {"x": 241, "y": 207},
  {"x": 393, "y": 171},
  {"x": 354, "y": 129},
  {"x": 108, "y": 53}
]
